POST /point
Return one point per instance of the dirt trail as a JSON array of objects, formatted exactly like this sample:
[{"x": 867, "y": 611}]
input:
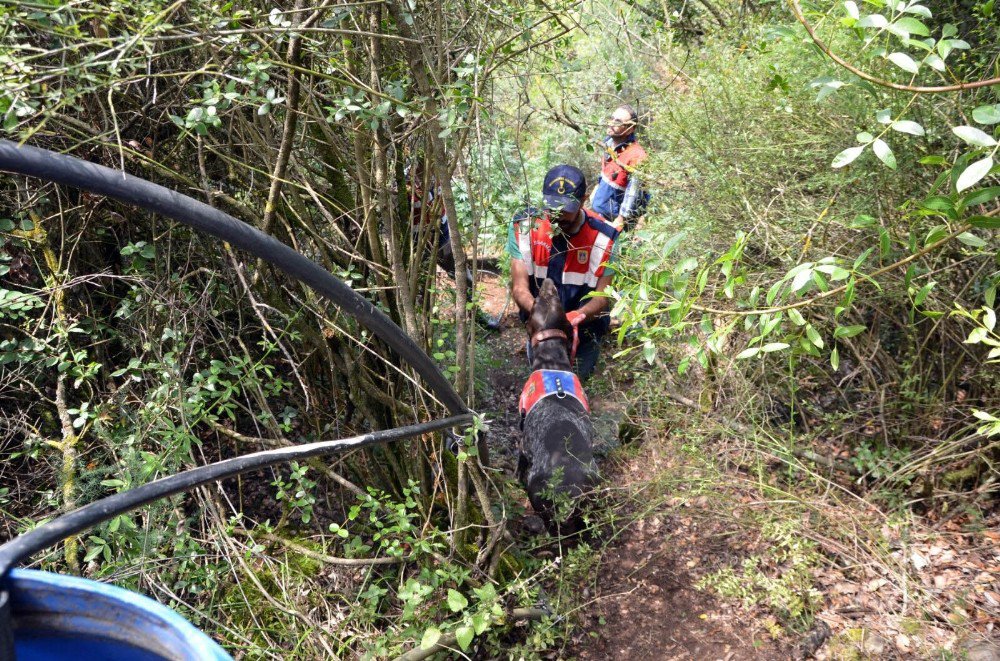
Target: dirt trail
[{"x": 640, "y": 601}]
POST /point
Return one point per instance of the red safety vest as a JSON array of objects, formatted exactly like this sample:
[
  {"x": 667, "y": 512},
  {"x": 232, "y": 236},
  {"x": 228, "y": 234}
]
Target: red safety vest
[
  {"x": 586, "y": 257},
  {"x": 616, "y": 169}
]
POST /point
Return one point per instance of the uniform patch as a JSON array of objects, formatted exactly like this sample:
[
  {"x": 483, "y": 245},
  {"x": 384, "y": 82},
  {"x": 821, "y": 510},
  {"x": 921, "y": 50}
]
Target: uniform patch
[{"x": 582, "y": 256}]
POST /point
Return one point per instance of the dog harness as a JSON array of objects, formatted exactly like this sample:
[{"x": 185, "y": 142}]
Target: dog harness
[{"x": 548, "y": 383}]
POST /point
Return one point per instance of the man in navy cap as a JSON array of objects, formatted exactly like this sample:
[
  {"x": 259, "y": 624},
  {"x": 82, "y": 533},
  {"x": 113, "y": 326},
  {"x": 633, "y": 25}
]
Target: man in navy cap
[{"x": 572, "y": 246}]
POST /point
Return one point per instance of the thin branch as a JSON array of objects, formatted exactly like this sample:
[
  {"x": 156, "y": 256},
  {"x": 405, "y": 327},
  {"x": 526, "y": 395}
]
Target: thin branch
[
  {"x": 797, "y": 10},
  {"x": 837, "y": 290}
]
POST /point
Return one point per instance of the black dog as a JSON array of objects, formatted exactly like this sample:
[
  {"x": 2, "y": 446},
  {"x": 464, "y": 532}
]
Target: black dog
[{"x": 556, "y": 462}]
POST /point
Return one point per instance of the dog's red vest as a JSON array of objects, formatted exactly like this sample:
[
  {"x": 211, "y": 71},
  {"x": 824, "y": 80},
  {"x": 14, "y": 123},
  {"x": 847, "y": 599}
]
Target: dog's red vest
[{"x": 546, "y": 383}]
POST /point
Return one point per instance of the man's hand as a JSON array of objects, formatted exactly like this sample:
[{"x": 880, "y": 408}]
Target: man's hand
[
  {"x": 619, "y": 223},
  {"x": 576, "y": 318}
]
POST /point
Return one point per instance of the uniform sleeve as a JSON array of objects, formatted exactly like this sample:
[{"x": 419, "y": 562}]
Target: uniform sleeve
[
  {"x": 606, "y": 245},
  {"x": 632, "y": 192},
  {"x": 612, "y": 257},
  {"x": 513, "y": 249}
]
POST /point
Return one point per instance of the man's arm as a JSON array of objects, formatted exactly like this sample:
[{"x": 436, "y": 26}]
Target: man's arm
[
  {"x": 598, "y": 305},
  {"x": 632, "y": 192},
  {"x": 519, "y": 288}
]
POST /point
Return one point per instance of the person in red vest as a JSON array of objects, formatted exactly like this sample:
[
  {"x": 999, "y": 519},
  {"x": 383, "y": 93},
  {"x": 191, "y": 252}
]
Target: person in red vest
[
  {"x": 619, "y": 196},
  {"x": 571, "y": 246}
]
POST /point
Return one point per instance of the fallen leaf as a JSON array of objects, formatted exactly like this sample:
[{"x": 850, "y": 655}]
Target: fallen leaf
[{"x": 875, "y": 584}]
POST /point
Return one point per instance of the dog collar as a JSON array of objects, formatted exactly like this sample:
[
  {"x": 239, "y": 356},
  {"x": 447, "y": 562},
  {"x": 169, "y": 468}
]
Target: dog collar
[
  {"x": 548, "y": 383},
  {"x": 548, "y": 334}
]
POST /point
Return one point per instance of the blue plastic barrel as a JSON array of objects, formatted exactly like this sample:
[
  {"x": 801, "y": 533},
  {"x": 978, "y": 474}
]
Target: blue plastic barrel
[{"x": 57, "y": 617}]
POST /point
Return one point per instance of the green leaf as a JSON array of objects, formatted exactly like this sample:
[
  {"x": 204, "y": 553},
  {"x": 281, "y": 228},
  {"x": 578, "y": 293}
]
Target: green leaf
[
  {"x": 973, "y": 174},
  {"x": 820, "y": 281},
  {"x": 919, "y": 10},
  {"x": 877, "y": 21},
  {"x": 922, "y": 294},
  {"x": 464, "y": 637},
  {"x": 981, "y": 196},
  {"x": 970, "y": 239},
  {"x": 884, "y": 154},
  {"x": 974, "y": 136},
  {"x": 987, "y": 114},
  {"x": 835, "y": 359},
  {"x": 935, "y": 62},
  {"x": 863, "y": 257},
  {"x": 936, "y": 234},
  {"x": 985, "y": 222},
  {"x": 933, "y": 160},
  {"x": 772, "y": 293},
  {"x": 977, "y": 335},
  {"x": 904, "y": 62},
  {"x": 913, "y": 26},
  {"x": 774, "y": 346},
  {"x": 906, "y": 126},
  {"x": 801, "y": 279},
  {"x": 480, "y": 622},
  {"x": 456, "y": 600},
  {"x": 796, "y": 317},
  {"x": 847, "y": 331},
  {"x": 808, "y": 347},
  {"x": 430, "y": 638},
  {"x": 649, "y": 352},
  {"x": 748, "y": 353},
  {"x": 814, "y": 336},
  {"x": 847, "y": 156},
  {"x": 93, "y": 553},
  {"x": 940, "y": 203}
]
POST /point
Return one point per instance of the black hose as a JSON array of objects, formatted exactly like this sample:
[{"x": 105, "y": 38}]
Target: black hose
[
  {"x": 72, "y": 523},
  {"x": 82, "y": 519},
  {"x": 70, "y": 171}
]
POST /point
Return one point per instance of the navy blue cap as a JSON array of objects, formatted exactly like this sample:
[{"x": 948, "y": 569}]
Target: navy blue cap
[{"x": 564, "y": 188}]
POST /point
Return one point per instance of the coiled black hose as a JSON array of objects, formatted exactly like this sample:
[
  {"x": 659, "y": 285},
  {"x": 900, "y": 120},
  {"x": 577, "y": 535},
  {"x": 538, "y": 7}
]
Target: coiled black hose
[{"x": 70, "y": 171}]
